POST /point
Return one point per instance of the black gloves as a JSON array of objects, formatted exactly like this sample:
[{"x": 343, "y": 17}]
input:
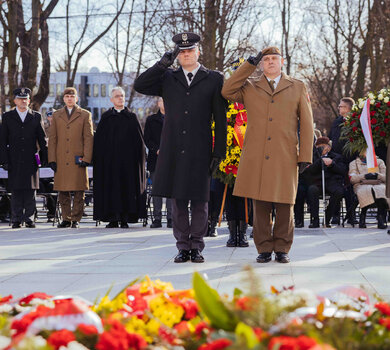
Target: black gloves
[
  {"x": 214, "y": 164},
  {"x": 169, "y": 57},
  {"x": 371, "y": 176},
  {"x": 83, "y": 164},
  {"x": 53, "y": 166},
  {"x": 5, "y": 167},
  {"x": 255, "y": 60},
  {"x": 302, "y": 166}
]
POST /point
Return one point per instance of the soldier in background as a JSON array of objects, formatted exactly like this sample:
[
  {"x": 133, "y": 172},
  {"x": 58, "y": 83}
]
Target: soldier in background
[
  {"x": 152, "y": 135},
  {"x": 21, "y": 132}
]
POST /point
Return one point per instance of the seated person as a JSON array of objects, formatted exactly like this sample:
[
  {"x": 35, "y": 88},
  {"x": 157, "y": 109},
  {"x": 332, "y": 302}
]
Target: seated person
[
  {"x": 370, "y": 188},
  {"x": 335, "y": 170}
]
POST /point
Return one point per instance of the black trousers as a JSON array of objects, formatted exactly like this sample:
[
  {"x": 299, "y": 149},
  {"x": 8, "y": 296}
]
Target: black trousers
[
  {"x": 23, "y": 205},
  {"x": 235, "y": 206},
  {"x": 336, "y": 192},
  {"x": 189, "y": 235}
]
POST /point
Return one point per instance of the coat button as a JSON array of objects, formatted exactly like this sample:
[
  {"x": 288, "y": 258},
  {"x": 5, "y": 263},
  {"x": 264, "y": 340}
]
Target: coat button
[
  {"x": 67, "y": 151},
  {"x": 67, "y": 139},
  {"x": 67, "y": 163},
  {"x": 68, "y": 127},
  {"x": 266, "y": 157},
  {"x": 185, "y": 112},
  {"x": 270, "y": 119},
  {"x": 22, "y": 149},
  {"x": 182, "y": 152},
  {"x": 187, "y": 93},
  {"x": 268, "y": 138},
  {"x": 184, "y": 132},
  {"x": 272, "y": 101}
]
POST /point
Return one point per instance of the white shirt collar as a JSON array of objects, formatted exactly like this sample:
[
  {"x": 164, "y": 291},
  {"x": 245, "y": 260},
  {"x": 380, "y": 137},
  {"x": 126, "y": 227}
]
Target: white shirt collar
[
  {"x": 22, "y": 115},
  {"x": 276, "y": 80},
  {"x": 193, "y": 74}
]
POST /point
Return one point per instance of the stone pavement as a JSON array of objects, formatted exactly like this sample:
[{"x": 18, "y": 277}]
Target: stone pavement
[{"x": 88, "y": 260}]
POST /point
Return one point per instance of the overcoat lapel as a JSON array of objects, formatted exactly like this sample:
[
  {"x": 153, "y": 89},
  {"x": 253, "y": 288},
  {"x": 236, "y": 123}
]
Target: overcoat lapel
[
  {"x": 76, "y": 113},
  {"x": 202, "y": 73},
  {"x": 263, "y": 84},
  {"x": 284, "y": 83},
  {"x": 29, "y": 116},
  {"x": 179, "y": 75}
]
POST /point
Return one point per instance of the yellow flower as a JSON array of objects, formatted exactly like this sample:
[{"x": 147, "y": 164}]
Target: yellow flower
[
  {"x": 135, "y": 325},
  {"x": 229, "y": 142},
  {"x": 166, "y": 311}
]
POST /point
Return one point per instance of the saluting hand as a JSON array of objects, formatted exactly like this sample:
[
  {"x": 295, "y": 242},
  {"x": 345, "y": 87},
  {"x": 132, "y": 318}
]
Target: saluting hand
[
  {"x": 255, "y": 60},
  {"x": 169, "y": 57}
]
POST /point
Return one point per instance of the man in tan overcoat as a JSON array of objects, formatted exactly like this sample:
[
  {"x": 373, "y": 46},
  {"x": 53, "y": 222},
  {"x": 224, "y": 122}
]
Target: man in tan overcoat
[
  {"x": 273, "y": 148},
  {"x": 70, "y": 152}
]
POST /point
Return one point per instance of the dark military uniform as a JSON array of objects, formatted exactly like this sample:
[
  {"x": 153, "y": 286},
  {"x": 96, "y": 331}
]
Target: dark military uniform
[
  {"x": 18, "y": 146},
  {"x": 186, "y": 149}
]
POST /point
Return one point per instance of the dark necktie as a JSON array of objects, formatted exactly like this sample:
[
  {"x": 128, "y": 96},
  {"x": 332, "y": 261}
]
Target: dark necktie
[
  {"x": 190, "y": 75},
  {"x": 272, "y": 84}
]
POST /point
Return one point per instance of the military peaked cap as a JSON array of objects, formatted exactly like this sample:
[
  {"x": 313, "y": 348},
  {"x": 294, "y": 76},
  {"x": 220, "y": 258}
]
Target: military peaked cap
[
  {"x": 186, "y": 40},
  {"x": 22, "y": 93},
  {"x": 271, "y": 50}
]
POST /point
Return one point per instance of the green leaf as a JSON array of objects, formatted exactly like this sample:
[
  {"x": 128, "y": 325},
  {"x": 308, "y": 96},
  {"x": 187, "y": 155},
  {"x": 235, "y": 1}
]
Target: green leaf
[
  {"x": 245, "y": 331},
  {"x": 212, "y": 306},
  {"x": 237, "y": 292}
]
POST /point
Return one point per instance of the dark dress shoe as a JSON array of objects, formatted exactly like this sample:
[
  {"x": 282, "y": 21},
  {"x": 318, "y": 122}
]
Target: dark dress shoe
[
  {"x": 16, "y": 225},
  {"x": 335, "y": 220},
  {"x": 264, "y": 258},
  {"x": 30, "y": 224},
  {"x": 299, "y": 225},
  {"x": 75, "y": 224},
  {"x": 124, "y": 225},
  {"x": 156, "y": 224},
  {"x": 282, "y": 257},
  {"x": 183, "y": 256},
  {"x": 196, "y": 256},
  {"x": 315, "y": 223},
  {"x": 213, "y": 233},
  {"x": 64, "y": 224},
  {"x": 169, "y": 223},
  {"x": 112, "y": 224}
]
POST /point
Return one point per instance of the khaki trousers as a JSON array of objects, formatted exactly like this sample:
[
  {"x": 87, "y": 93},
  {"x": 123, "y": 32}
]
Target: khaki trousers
[
  {"x": 65, "y": 199},
  {"x": 281, "y": 237}
]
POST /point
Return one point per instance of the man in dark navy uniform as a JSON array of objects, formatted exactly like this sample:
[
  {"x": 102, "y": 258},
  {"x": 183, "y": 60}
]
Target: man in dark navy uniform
[
  {"x": 187, "y": 156},
  {"x": 22, "y": 130}
]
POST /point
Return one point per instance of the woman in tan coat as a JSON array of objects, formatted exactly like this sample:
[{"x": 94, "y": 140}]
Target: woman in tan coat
[{"x": 370, "y": 188}]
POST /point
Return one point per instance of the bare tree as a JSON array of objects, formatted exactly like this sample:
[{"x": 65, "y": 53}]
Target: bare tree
[{"x": 76, "y": 50}]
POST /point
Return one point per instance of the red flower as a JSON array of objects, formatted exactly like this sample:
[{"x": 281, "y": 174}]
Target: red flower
[
  {"x": 285, "y": 343},
  {"x": 305, "y": 343},
  {"x": 382, "y": 134},
  {"x": 387, "y": 112},
  {"x": 182, "y": 328},
  {"x": 386, "y": 120},
  {"x": 218, "y": 344},
  {"x": 385, "y": 322},
  {"x": 353, "y": 122},
  {"x": 231, "y": 169},
  {"x": 376, "y": 128},
  {"x": 110, "y": 341},
  {"x": 354, "y": 114},
  {"x": 260, "y": 334},
  {"x": 60, "y": 338},
  {"x": 373, "y": 121},
  {"x": 243, "y": 303},
  {"x": 354, "y": 129},
  {"x": 372, "y": 113},
  {"x": 384, "y": 308},
  {"x": 201, "y": 328},
  {"x": 136, "y": 341},
  {"x": 87, "y": 329},
  {"x": 6, "y": 299},
  {"x": 26, "y": 300},
  {"x": 378, "y": 105},
  {"x": 191, "y": 309},
  {"x": 238, "y": 106},
  {"x": 167, "y": 336},
  {"x": 388, "y": 103},
  {"x": 351, "y": 139}
]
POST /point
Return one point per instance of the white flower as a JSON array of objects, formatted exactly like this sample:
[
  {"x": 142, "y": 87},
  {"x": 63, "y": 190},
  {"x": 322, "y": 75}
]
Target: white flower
[
  {"x": 386, "y": 99},
  {"x": 31, "y": 343},
  {"x": 372, "y": 101},
  {"x": 5, "y": 308},
  {"x": 382, "y": 91},
  {"x": 380, "y": 97},
  {"x": 371, "y": 96},
  {"x": 74, "y": 345},
  {"x": 361, "y": 103},
  {"x": 4, "y": 341}
]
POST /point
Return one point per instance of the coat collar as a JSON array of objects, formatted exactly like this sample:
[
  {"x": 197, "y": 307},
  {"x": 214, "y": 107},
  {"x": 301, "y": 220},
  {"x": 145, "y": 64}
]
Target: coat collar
[
  {"x": 202, "y": 73},
  {"x": 284, "y": 83},
  {"x": 64, "y": 114},
  {"x": 29, "y": 115}
]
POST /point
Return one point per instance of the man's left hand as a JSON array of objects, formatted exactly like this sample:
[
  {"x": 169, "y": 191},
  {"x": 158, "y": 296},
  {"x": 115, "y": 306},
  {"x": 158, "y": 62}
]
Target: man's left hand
[
  {"x": 302, "y": 166},
  {"x": 214, "y": 164},
  {"x": 327, "y": 161},
  {"x": 83, "y": 164}
]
